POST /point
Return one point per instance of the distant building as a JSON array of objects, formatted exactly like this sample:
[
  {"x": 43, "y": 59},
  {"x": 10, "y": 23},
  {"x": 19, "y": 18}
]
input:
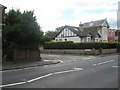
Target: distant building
[
  {"x": 112, "y": 35},
  {"x": 117, "y": 33},
  {"x": 2, "y": 10},
  {"x": 94, "y": 31}
]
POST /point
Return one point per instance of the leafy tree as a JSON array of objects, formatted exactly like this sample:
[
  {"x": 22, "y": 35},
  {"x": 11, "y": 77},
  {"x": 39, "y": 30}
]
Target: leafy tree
[
  {"x": 21, "y": 31},
  {"x": 59, "y": 28},
  {"x": 50, "y": 34}
]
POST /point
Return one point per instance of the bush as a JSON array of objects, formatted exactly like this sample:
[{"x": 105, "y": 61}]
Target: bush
[
  {"x": 58, "y": 45},
  {"x": 82, "y": 45}
]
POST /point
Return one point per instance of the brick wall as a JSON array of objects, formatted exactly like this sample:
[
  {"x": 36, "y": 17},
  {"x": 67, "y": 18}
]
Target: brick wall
[
  {"x": 26, "y": 55},
  {"x": 80, "y": 51}
]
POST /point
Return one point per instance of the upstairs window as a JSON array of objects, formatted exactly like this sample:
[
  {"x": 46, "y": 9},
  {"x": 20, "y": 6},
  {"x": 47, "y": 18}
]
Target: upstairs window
[{"x": 115, "y": 33}]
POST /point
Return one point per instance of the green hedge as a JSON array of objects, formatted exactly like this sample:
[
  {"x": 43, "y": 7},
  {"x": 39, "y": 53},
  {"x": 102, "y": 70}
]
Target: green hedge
[
  {"x": 58, "y": 45},
  {"x": 82, "y": 45}
]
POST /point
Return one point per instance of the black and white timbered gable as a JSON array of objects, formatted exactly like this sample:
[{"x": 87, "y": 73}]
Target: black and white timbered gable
[{"x": 93, "y": 31}]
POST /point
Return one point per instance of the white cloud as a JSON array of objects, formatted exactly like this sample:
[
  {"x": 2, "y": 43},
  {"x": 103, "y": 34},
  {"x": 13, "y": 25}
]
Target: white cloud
[{"x": 48, "y": 12}]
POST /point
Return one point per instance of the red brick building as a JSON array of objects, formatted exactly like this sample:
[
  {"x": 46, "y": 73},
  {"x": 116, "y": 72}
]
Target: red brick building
[
  {"x": 117, "y": 35},
  {"x": 2, "y": 10},
  {"x": 111, "y": 35}
]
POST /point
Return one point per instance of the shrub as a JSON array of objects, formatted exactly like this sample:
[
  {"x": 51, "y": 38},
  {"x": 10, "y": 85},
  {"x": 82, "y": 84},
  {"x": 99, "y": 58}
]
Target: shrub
[
  {"x": 82, "y": 45},
  {"x": 58, "y": 45}
]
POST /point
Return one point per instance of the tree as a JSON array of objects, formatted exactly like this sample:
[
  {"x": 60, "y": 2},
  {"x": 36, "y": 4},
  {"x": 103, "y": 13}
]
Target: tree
[
  {"x": 50, "y": 34},
  {"x": 59, "y": 28},
  {"x": 21, "y": 31}
]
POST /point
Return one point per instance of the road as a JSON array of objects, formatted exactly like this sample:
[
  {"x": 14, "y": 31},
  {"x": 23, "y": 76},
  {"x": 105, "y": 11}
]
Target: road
[{"x": 73, "y": 72}]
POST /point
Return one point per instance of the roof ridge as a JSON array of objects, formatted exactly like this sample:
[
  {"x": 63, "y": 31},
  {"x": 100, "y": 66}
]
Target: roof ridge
[
  {"x": 71, "y": 26},
  {"x": 95, "y": 21},
  {"x": 2, "y": 6}
]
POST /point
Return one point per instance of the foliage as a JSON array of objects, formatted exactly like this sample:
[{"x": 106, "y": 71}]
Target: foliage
[
  {"x": 21, "y": 31},
  {"x": 58, "y": 45},
  {"x": 59, "y": 28},
  {"x": 82, "y": 45},
  {"x": 51, "y": 34}
]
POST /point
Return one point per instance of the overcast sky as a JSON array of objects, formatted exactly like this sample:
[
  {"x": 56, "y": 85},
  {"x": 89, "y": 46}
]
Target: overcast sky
[{"x": 54, "y": 13}]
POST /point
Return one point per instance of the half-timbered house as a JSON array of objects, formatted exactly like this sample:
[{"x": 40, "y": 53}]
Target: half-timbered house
[{"x": 94, "y": 31}]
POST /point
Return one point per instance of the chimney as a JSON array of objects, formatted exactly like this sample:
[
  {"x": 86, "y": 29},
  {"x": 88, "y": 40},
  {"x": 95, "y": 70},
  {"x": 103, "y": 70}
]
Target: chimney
[{"x": 81, "y": 27}]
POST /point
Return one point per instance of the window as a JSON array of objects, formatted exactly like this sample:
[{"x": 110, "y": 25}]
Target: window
[
  {"x": 89, "y": 39},
  {"x": 60, "y": 39},
  {"x": 62, "y": 35},
  {"x": 115, "y": 33},
  {"x": 91, "y": 24},
  {"x": 96, "y": 40},
  {"x": 56, "y": 39},
  {"x": 101, "y": 31}
]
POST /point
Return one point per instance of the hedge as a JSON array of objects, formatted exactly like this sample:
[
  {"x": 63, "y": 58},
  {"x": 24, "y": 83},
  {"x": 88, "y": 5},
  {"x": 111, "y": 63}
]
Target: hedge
[{"x": 82, "y": 45}]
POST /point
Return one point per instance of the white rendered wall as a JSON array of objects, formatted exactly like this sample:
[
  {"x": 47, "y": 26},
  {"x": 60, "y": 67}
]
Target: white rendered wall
[{"x": 74, "y": 39}]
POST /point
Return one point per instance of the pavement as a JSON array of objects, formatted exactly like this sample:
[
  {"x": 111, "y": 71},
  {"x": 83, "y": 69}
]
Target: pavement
[
  {"x": 20, "y": 65},
  {"x": 47, "y": 59}
]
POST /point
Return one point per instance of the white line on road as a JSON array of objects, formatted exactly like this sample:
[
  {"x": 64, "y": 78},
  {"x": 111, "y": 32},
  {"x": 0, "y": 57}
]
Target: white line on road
[
  {"x": 75, "y": 69},
  {"x": 115, "y": 66},
  {"x": 103, "y": 62},
  {"x": 17, "y": 69},
  {"x": 44, "y": 76},
  {"x": 6, "y": 71},
  {"x": 19, "y": 83},
  {"x": 12, "y": 84},
  {"x": 40, "y": 77}
]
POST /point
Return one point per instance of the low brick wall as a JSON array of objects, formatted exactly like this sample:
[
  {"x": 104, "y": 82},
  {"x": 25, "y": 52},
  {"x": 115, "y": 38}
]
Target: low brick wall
[
  {"x": 109, "y": 51},
  {"x": 26, "y": 55},
  {"x": 80, "y": 51}
]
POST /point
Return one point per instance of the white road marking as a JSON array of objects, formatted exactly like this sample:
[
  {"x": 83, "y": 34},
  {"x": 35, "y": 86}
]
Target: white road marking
[
  {"x": 26, "y": 68},
  {"x": 39, "y": 77},
  {"x": 78, "y": 69},
  {"x": 86, "y": 58},
  {"x": 44, "y": 76},
  {"x": 17, "y": 69},
  {"x": 103, "y": 62},
  {"x": 75, "y": 69},
  {"x": 115, "y": 66},
  {"x": 6, "y": 71},
  {"x": 45, "y": 66},
  {"x": 12, "y": 84}
]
